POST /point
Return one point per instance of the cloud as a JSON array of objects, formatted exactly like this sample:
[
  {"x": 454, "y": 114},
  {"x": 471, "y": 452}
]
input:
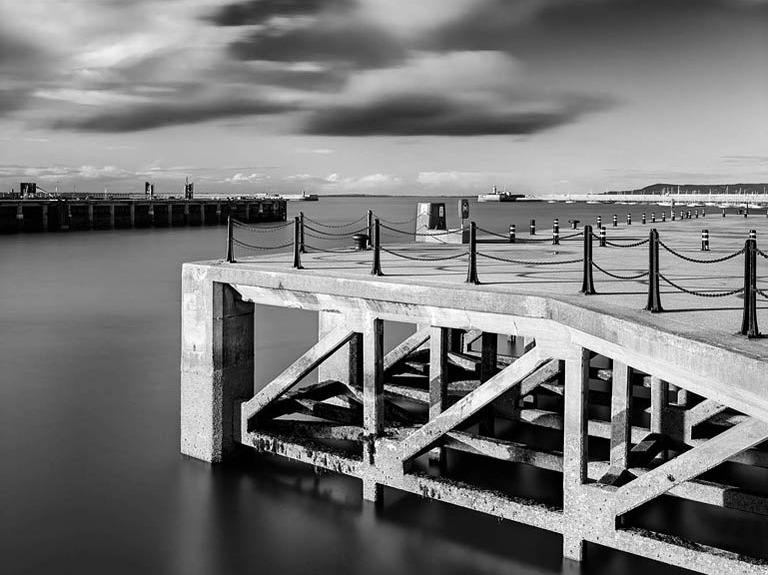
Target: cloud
[
  {"x": 158, "y": 115},
  {"x": 262, "y": 11},
  {"x": 438, "y": 116},
  {"x": 240, "y": 178}
]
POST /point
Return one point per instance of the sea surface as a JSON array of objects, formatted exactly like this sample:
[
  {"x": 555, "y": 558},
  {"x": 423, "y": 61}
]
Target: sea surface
[{"x": 91, "y": 479}]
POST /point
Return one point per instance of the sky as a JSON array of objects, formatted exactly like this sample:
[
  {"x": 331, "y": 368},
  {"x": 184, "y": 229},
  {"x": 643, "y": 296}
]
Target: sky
[{"x": 435, "y": 97}]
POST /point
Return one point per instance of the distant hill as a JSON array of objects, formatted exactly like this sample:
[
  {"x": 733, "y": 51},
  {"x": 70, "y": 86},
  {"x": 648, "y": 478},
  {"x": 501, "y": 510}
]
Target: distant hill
[{"x": 697, "y": 188}]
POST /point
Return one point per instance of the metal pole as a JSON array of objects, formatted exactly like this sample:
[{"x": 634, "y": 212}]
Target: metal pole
[
  {"x": 301, "y": 235},
  {"x": 230, "y": 241},
  {"x": 297, "y": 244},
  {"x": 749, "y": 317},
  {"x": 376, "y": 267},
  {"x": 654, "y": 300},
  {"x": 369, "y": 222},
  {"x": 587, "y": 283},
  {"x": 472, "y": 260}
]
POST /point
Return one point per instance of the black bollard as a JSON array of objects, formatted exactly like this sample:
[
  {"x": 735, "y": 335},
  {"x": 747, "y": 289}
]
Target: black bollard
[
  {"x": 672, "y": 215},
  {"x": 615, "y": 220},
  {"x": 602, "y": 237},
  {"x": 600, "y": 221},
  {"x": 705, "y": 240},
  {"x": 643, "y": 218},
  {"x": 301, "y": 235},
  {"x": 654, "y": 300},
  {"x": 746, "y": 212},
  {"x": 297, "y": 244},
  {"x": 682, "y": 214},
  {"x": 376, "y": 245},
  {"x": 472, "y": 259},
  {"x": 696, "y": 214},
  {"x": 369, "y": 225},
  {"x": 663, "y": 216},
  {"x": 587, "y": 283},
  {"x": 753, "y": 235},
  {"x": 653, "y": 217},
  {"x": 512, "y": 233},
  {"x": 532, "y": 228},
  {"x": 230, "y": 241},
  {"x": 555, "y": 232},
  {"x": 703, "y": 213},
  {"x": 688, "y": 215},
  {"x": 749, "y": 317},
  {"x": 629, "y": 219},
  {"x": 723, "y": 212}
]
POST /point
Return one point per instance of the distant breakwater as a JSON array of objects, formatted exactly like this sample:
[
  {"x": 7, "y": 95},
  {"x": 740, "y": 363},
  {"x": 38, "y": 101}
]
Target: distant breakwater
[{"x": 41, "y": 215}]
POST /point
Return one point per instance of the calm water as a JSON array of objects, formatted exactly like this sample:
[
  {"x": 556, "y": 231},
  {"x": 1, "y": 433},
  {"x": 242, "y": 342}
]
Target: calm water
[{"x": 91, "y": 478}]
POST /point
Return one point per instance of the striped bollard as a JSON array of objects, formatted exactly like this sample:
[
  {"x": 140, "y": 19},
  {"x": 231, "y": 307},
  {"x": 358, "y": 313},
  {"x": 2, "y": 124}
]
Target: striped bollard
[
  {"x": 297, "y": 244},
  {"x": 512, "y": 233},
  {"x": 723, "y": 212},
  {"x": 703, "y": 213},
  {"x": 230, "y": 241},
  {"x": 749, "y": 317},
  {"x": 600, "y": 221},
  {"x": 653, "y": 217},
  {"x": 602, "y": 237},
  {"x": 672, "y": 215},
  {"x": 555, "y": 232},
  {"x": 532, "y": 228},
  {"x": 705, "y": 240},
  {"x": 629, "y": 219},
  {"x": 643, "y": 219},
  {"x": 654, "y": 299},
  {"x": 615, "y": 220},
  {"x": 472, "y": 259},
  {"x": 663, "y": 216},
  {"x": 753, "y": 235},
  {"x": 682, "y": 214},
  {"x": 376, "y": 245},
  {"x": 587, "y": 282},
  {"x": 696, "y": 214},
  {"x": 688, "y": 215},
  {"x": 746, "y": 212}
]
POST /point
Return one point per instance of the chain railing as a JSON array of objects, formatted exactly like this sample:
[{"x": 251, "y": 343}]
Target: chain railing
[{"x": 653, "y": 276}]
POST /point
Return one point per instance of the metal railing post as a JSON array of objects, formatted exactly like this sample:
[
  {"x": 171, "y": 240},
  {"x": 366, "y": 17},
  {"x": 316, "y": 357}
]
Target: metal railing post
[
  {"x": 587, "y": 283},
  {"x": 376, "y": 266},
  {"x": 301, "y": 236},
  {"x": 654, "y": 299},
  {"x": 472, "y": 260},
  {"x": 230, "y": 241},
  {"x": 749, "y": 317},
  {"x": 297, "y": 244},
  {"x": 369, "y": 223}
]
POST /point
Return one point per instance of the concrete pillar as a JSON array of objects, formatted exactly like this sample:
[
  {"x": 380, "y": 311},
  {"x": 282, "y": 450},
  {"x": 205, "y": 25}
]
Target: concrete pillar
[
  {"x": 45, "y": 217},
  {"x": 438, "y": 384},
  {"x": 20, "y": 217},
  {"x": 217, "y": 365},
  {"x": 346, "y": 365},
  {"x": 89, "y": 225},
  {"x": 575, "y": 454},
  {"x": 132, "y": 211},
  {"x": 373, "y": 401},
  {"x": 112, "y": 216}
]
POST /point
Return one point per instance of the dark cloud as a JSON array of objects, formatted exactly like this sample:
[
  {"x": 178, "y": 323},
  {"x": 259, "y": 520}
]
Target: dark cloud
[
  {"x": 438, "y": 116},
  {"x": 261, "y": 11},
  {"x": 362, "y": 46},
  {"x": 159, "y": 115},
  {"x": 13, "y": 99}
]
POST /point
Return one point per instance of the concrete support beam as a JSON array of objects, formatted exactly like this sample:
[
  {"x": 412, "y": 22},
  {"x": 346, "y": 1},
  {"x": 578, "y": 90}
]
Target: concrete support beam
[
  {"x": 575, "y": 454},
  {"x": 216, "y": 365},
  {"x": 373, "y": 401}
]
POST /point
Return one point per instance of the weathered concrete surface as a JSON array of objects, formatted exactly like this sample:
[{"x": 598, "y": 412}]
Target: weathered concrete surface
[{"x": 689, "y": 347}]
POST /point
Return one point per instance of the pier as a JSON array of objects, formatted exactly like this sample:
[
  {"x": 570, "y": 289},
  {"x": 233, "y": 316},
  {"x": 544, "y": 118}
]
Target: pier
[
  {"x": 629, "y": 373},
  {"x": 48, "y": 215}
]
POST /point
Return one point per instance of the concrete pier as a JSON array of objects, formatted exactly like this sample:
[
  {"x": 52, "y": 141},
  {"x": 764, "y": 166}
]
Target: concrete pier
[
  {"x": 643, "y": 406},
  {"x": 39, "y": 215}
]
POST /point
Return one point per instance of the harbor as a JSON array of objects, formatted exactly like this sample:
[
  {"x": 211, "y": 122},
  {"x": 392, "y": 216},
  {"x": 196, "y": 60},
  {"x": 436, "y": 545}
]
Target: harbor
[{"x": 636, "y": 379}]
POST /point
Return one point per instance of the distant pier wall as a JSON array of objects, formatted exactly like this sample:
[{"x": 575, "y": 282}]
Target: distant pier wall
[{"x": 64, "y": 214}]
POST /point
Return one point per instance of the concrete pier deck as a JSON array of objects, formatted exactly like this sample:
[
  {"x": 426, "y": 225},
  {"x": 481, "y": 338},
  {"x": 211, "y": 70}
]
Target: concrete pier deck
[{"x": 684, "y": 394}]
